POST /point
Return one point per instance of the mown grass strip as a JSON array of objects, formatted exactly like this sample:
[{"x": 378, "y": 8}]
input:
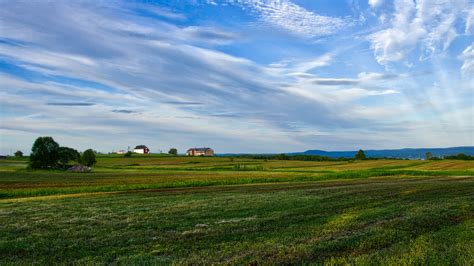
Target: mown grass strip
[{"x": 88, "y": 188}]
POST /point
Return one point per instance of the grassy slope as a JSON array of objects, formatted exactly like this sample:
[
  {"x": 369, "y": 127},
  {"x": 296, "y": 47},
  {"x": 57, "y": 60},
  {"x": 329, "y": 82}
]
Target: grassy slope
[
  {"x": 377, "y": 212},
  {"x": 422, "y": 220}
]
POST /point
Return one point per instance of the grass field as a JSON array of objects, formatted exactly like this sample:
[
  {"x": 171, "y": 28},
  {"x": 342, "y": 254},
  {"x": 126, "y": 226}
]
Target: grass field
[{"x": 155, "y": 209}]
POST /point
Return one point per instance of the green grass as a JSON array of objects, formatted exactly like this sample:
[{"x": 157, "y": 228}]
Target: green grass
[
  {"x": 150, "y": 210},
  {"x": 43, "y": 183}
]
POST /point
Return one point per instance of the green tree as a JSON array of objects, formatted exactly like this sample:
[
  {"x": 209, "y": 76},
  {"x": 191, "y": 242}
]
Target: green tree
[
  {"x": 18, "y": 154},
  {"x": 173, "y": 151},
  {"x": 128, "y": 154},
  {"x": 360, "y": 155},
  {"x": 44, "y": 153},
  {"x": 88, "y": 157},
  {"x": 67, "y": 154},
  {"x": 428, "y": 156}
]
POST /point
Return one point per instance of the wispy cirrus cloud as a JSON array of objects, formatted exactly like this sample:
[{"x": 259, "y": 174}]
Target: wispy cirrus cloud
[
  {"x": 429, "y": 25},
  {"x": 165, "y": 12},
  {"x": 293, "y": 18},
  {"x": 467, "y": 57}
]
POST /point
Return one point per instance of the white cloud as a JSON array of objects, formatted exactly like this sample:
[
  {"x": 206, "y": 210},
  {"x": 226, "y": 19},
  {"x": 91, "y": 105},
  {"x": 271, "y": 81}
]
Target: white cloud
[
  {"x": 469, "y": 21},
  {"x": 295, "y": 19},
  {"x": 375, "y": 3},
  {"x": 467, "y": 56},
  {"x": 394, "y": 43},
  {"x": 367, "y": 76},
  {"x": 321, "y": 61},
  {"x": 427, "y": 24}
]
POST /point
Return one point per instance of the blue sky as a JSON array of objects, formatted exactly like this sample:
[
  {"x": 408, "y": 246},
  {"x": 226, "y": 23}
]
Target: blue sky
[{"x": 237, "y": 75}]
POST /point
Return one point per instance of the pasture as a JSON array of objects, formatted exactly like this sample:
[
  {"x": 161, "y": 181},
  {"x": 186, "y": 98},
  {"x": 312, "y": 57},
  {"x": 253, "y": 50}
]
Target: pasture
[{"x": 157, "y": 209}]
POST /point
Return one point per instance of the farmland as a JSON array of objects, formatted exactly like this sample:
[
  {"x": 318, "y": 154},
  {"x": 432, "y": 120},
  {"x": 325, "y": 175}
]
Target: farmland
[{"x": 158, "y": 209}]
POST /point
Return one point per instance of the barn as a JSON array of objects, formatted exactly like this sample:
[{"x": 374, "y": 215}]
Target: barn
[
  {"x": 200, "y": 152},
  {"x": 142, "y": 149}
]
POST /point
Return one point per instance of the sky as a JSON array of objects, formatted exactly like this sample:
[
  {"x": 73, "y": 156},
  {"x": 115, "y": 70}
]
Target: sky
[{"x": 240, "y": 76}]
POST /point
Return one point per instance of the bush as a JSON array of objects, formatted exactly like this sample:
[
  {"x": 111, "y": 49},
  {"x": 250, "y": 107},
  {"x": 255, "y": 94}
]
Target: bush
[
  {"x": 88, "y": 158},
  {"x": 128, "y": 154},
  {"x": 44, "y": 153}
]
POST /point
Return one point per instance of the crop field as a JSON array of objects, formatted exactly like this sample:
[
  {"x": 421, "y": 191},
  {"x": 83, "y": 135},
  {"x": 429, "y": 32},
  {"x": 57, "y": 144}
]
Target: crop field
[{"x": 220, "y": 210}]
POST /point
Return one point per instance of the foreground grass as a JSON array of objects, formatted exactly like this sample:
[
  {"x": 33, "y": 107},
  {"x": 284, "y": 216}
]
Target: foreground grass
[
  {"x": 388, "y": 220},
  {"x": 158, "y": 209}
]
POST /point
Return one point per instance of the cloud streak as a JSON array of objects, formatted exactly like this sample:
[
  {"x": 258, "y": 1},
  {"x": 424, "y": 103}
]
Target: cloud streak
[{"x": 70, "y": 104}]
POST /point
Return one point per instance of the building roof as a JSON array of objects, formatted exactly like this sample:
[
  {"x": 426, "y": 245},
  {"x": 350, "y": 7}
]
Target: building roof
[
  {"x": 141, "y": 147},
  {"x": 199, "y": 149}
]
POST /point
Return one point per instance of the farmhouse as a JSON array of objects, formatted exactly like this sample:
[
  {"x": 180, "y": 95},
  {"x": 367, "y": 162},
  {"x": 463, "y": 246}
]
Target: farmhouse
[
  {"x": 200, "y": 152},
  {"x": 142, "y": 149}
]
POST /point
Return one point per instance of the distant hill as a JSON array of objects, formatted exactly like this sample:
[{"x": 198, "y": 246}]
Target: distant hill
[{"x": 398, "y": 153}]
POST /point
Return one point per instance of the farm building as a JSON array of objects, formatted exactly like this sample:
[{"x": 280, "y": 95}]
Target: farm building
[
  {"x": 142, "y": 149},
  {"x": 200, "y": 152}
]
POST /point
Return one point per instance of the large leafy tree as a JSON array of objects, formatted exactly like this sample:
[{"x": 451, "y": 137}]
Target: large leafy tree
[
  {"x": 67, "y": 154},
  {"x": 44, "y": 153},
  {"x": 18, "y": 154},
  {"x": 88, "y": 157}
]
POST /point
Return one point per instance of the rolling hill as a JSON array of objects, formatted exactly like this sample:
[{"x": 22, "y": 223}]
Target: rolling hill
[{"x": 396, "y": 153}]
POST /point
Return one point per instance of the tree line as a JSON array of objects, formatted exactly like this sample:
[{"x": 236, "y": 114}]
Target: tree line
[
  {"x": 303, "y": 157},
  {"x": 48, "y": 154}
]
